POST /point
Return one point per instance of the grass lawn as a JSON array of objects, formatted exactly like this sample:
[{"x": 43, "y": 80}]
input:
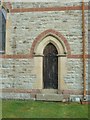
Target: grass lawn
[{"x": 39, "y": 109}]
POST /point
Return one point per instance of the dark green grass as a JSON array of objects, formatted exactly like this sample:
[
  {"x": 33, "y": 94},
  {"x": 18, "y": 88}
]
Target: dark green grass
[{"x": 39, "y": 109}]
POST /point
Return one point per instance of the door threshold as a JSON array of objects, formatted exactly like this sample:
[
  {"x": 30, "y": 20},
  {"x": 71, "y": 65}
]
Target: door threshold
[{"x": 49, "y": 91}]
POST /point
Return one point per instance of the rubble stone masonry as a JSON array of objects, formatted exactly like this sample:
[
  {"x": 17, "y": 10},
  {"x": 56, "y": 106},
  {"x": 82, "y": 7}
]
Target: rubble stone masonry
[{"x": 23, "y": 26}]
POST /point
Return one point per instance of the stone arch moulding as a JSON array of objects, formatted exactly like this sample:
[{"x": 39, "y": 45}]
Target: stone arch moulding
[
  {"x": 54, "y": 33},
  {"x": 63, "y": 48}
]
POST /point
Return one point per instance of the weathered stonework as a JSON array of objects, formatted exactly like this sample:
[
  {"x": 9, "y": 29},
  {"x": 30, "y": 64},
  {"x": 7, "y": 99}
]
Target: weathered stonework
[
  {"x": 43, "y": 4},
  {"x": 27, "y": 29},
  {"x": 22, "y": 28}
]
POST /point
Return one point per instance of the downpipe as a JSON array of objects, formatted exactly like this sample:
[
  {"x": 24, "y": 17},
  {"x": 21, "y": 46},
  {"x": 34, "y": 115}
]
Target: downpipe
[{"x": 84, "y": 50}]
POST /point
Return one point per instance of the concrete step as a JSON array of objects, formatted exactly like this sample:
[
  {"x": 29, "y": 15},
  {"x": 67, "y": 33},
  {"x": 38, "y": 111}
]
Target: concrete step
[
  {"x": 49, "y": 97},
  {"x": 49, "y": 91}
]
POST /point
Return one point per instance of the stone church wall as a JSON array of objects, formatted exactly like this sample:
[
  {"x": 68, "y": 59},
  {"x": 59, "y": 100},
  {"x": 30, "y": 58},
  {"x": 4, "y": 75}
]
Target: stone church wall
[{"x": 18, "y": 74}]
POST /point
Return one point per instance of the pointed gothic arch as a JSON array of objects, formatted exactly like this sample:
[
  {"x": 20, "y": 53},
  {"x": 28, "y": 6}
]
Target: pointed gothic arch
[
  {"x": 38, "y": 49},
  {"x": 50, "y": 67},
  {"x": 54, "y": 33}
]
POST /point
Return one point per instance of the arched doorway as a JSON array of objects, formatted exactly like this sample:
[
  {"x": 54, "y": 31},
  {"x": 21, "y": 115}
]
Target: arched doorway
[
  {"x": 50, "y": 67},
  {"x": 41, "y": 49}
]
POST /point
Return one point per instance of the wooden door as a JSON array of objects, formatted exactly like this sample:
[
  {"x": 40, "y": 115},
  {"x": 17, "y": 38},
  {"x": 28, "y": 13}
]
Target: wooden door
[{"x": 50, "y": 67}]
